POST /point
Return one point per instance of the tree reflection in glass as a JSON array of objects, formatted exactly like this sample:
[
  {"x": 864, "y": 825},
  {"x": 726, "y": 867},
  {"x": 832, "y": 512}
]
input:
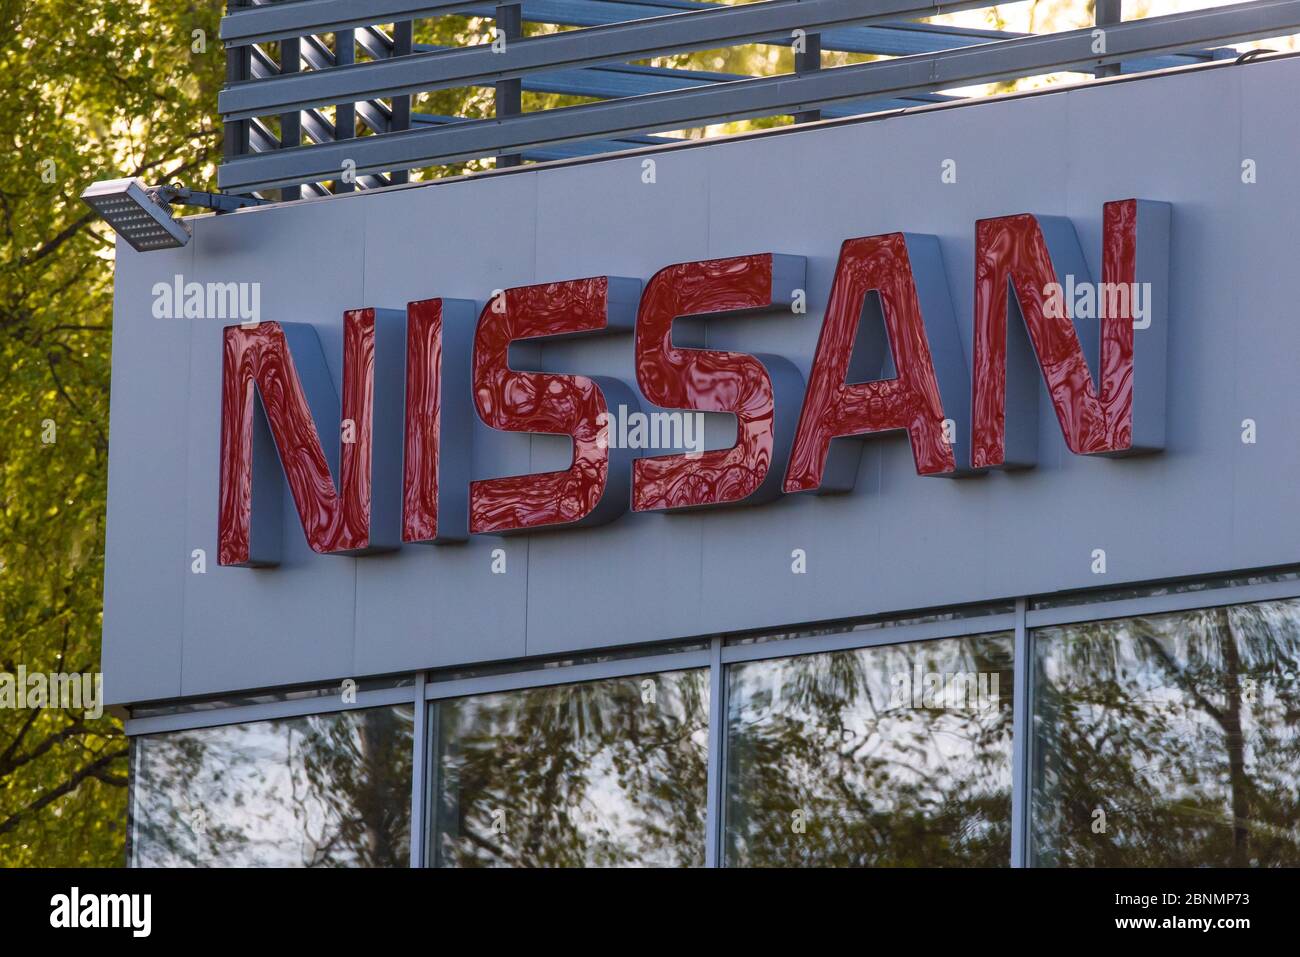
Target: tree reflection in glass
[
  {"x": 898, "y": 755},
  {"x": 329, "y": 790},
  {"x": 602, "y": 773},
  {"x": 1169, "y": 740}
]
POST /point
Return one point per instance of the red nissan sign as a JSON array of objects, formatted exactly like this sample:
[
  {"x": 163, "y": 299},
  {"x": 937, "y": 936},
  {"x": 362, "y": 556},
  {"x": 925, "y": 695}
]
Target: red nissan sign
[{"x": 1032, "y": 288}]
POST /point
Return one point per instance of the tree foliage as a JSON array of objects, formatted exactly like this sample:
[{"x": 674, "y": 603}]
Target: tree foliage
[{"x": 93, "y": 90}]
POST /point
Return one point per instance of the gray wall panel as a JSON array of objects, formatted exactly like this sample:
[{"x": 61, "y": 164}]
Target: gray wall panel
[
  {"x": 1265, "y": 340},
  {"x": 146, "y": 554}
]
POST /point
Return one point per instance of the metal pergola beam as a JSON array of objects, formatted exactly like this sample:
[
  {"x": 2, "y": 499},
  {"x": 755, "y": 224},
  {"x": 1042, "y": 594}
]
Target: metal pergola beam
[
  {"x": 896, "y": 39},
  {"x": 542, "y": 154},
  {"x": 621, "y": 79},
  {"x": 769, "y": 96},
  {"x": 593, "y": 46},
  {"x": 275, "y": 21}
]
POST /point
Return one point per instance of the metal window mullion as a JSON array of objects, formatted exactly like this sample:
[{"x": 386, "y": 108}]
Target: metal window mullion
[
  {"x": 1021, "y": 738},
  {"x": 419, "y": 762},
  {"x": 432, "y": 758},
  {"x": 132, "y": 822},
  {"x": 716, "y": 774}
]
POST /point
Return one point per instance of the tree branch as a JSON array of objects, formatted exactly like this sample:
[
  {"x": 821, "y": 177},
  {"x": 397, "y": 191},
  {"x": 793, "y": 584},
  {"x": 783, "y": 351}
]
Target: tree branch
[{"x": 91, "y": 770}]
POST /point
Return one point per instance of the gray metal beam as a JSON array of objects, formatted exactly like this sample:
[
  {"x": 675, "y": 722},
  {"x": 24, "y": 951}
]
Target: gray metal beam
[
  {"x": 768, "y": 96},
  {"x": 419, "y": 765},
  {"x": 715, "y": 759},
  {"x": 543, "y": 154},
  {"x": 895, "y": 39},
  {"x": 1022, "y": 730},
  {"x": 634, "y": 40},
  {"x": 900, "y": 38},
  {"x": 621, "y": 79},
  {"x": 274, "y": 21}
]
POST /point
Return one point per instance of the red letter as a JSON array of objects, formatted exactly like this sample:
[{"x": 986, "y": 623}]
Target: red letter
[
  {"x": 911, "y": 401},
  {"x": 258, "y": 365},
  {"x": 437, "y": 416},
  {"x": 1028, "y": 253},
  {"x": 711, "y": 381},
  {"x": 594, "y": 488}
]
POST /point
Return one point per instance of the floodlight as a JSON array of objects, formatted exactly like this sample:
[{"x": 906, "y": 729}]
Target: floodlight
[
  {"x": 136, "y": 214},
  {"x": 142, "y": 215}
]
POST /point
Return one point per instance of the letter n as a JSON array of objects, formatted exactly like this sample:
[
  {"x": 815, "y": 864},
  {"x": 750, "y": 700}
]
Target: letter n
[
  {"x": 1016, "y": 259},
  {"x": 276, "y": 393}
]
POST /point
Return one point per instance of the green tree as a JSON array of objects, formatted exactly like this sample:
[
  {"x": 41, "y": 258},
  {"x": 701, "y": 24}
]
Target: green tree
[{"x": 93, "y": 90}]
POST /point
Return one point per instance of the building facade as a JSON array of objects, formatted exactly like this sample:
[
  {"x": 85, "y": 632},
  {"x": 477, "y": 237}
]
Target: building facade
[{"x": 1032, "y": 601}]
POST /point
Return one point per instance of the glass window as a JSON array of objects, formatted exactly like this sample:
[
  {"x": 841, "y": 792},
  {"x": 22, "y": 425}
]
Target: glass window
[
  {"x": 898, "y": 755},
  {"x": 1170, "y": 740},
  {"x": 602, "y": 773},
  {"x": 325, "y": 790}
]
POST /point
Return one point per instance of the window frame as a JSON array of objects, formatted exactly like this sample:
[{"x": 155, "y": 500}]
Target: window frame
[{"x": 720, "y": 651}]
